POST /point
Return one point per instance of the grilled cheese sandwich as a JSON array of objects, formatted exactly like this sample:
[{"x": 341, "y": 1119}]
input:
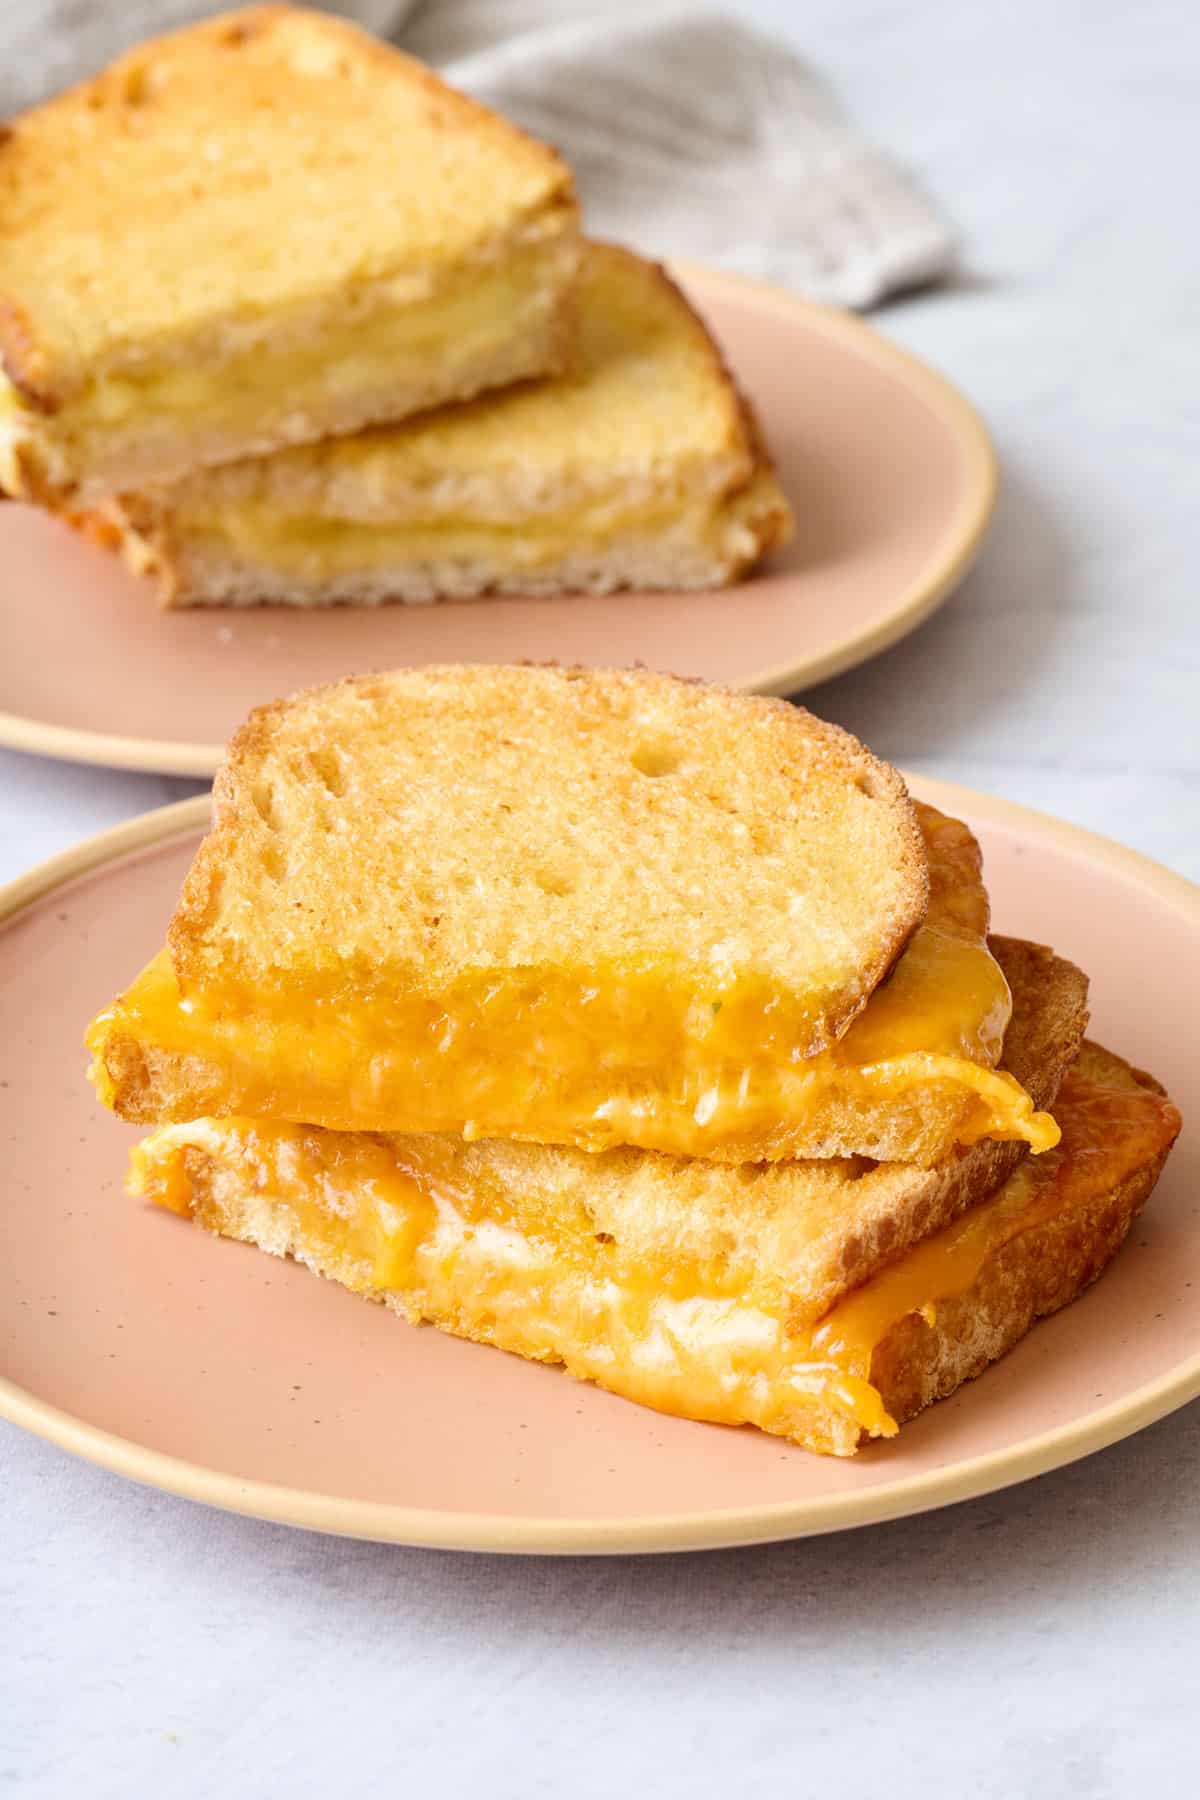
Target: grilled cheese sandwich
[
  {"x": 420, "y": 250},
  {"x": 640, "y": 465},
  {"x": 345, "y": 952}
]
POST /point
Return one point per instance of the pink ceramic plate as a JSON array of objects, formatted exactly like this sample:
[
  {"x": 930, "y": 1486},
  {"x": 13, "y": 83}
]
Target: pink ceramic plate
[
  {"x": 213, "y": 1371},
  {"x": 889, "y": 469}
]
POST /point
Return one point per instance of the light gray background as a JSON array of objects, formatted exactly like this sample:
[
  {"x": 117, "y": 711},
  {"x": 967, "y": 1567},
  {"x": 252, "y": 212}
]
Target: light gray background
[{"x": 1041, "y": 1642}]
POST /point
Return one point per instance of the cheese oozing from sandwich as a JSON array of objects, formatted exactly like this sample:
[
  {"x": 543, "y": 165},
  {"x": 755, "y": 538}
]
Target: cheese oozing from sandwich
[{"x": 914, "y": 1073}]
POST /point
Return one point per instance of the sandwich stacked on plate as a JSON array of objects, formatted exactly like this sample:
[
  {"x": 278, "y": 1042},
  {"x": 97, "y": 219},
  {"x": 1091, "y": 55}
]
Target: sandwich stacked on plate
[
  {"x": 634, "y": 1025},
  {"x": 243, "y": 264}
]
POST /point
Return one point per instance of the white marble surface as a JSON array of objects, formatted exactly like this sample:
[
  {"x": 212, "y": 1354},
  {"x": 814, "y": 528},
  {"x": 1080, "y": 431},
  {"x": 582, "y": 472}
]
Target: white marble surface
[{"x": 1040, "y": 1642}]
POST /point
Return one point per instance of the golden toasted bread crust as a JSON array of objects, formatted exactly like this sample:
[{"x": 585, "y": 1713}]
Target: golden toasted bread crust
[
  {"x": 745, "y": 433},
  {"x": 742, "y": 436},
  {"x": 139, "y": 534},
  {"x": 21, "y": 358},
  {"x": 889, "y": 1215},
  {"x": 1050, "y": 1014},
  {"x": 1032, "y": 1275}
]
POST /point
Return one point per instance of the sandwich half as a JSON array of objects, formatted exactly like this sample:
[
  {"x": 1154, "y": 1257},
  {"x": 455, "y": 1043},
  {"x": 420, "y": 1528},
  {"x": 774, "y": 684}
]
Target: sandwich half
[
  {"x": 640, "y": 466},
  {"x": 577, "y": 907},
  {"x": 258, "y": 231},
  {"x": 825, "y": 1303}
]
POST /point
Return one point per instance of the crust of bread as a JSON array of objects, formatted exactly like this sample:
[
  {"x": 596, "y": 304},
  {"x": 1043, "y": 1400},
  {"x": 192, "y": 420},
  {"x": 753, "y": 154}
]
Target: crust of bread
[
  {"x": 1031, "y": 1276},
  {"x": 21, "y": 356}
]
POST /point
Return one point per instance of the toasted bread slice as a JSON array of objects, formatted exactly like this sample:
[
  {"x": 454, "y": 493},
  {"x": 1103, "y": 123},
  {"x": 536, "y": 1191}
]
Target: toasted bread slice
[
  {"x": 615, "y": 971},
  {"x": 483, "y": 1251},
  {"x": 641, "y": 466},
  {"x": 256, "y": 231}
]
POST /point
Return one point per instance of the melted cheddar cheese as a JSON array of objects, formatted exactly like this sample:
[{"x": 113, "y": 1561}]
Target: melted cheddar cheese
[
  {"x": 913, "y": 1074},
  {"x": 667, "y": 1335}
]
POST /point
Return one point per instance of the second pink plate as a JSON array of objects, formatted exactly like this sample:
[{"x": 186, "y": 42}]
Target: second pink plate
[{"x": 888, "y": 468}]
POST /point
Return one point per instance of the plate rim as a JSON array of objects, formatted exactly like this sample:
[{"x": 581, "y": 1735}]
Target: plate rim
[
  {"x": 713, "y": 1529},
  {"x": 929, "y": 590}
]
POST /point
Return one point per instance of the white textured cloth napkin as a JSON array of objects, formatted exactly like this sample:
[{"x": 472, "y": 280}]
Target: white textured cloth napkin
[{"x": 691, "y": 134}]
